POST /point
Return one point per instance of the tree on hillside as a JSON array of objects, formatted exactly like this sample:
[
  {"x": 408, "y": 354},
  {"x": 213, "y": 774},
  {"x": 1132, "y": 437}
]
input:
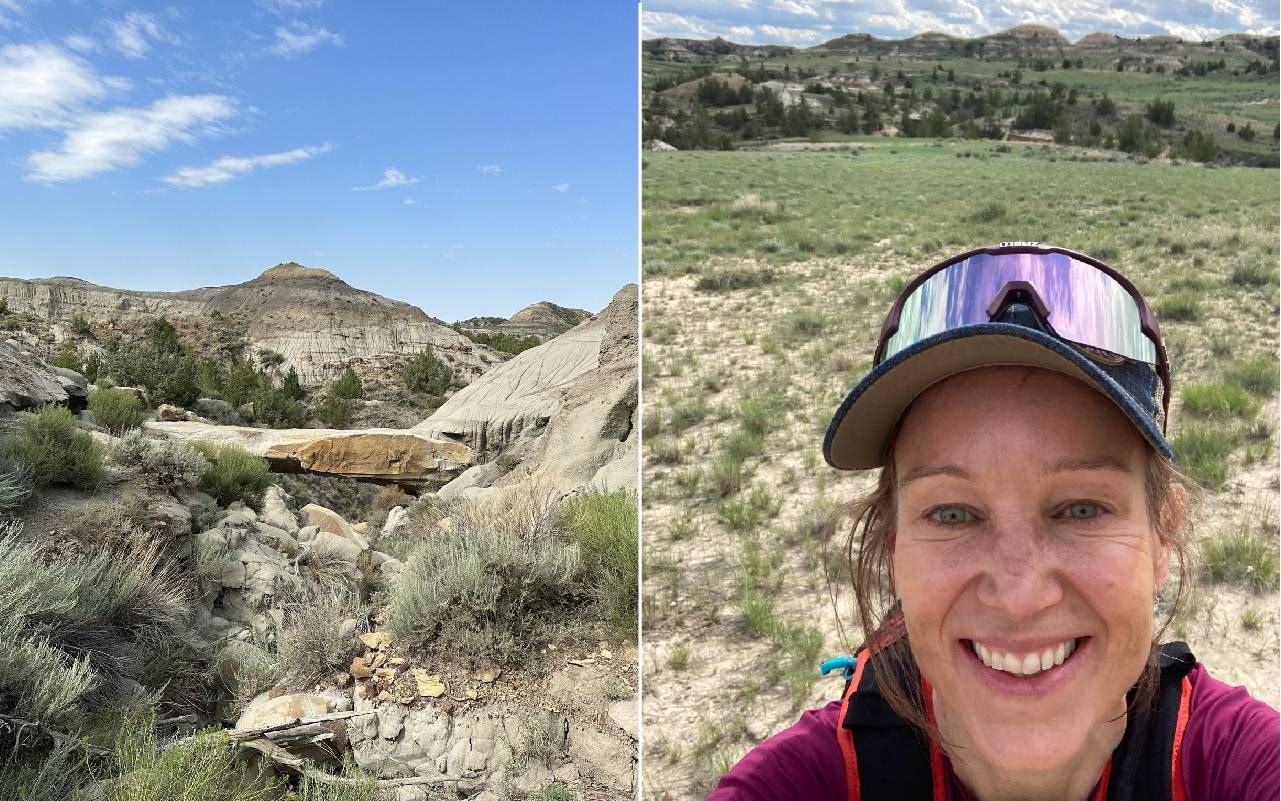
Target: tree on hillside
[
  {"x": 1161, "y": 112},
  {"x": 427, "y": 373},
  {"x": 348, "y": 386}
]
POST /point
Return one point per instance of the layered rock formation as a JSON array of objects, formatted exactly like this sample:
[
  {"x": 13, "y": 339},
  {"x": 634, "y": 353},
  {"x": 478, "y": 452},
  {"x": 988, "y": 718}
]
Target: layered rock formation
[
  {"x": 564, "y": 412},
  {"x": 315, "y": 320},
  {"x": 27, "y": 381},
  {"x": 389, "y": 455}
]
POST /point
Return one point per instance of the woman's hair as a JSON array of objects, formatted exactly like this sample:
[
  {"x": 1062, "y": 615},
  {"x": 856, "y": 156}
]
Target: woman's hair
[{"x": 867, "y": 554}]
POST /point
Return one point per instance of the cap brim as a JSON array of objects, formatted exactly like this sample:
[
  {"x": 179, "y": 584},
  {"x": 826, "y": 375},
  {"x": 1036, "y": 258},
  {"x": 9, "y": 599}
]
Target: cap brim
[{"x": 859, "y": 432}]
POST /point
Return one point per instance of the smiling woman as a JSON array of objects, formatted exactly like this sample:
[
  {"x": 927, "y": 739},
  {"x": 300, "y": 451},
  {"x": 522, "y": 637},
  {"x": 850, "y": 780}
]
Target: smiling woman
[{"x": 1008, "y": 565}]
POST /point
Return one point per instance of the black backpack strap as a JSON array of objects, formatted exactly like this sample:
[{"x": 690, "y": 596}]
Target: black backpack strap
[
  {"x": 1143, "y": 764},
  {"x": 893, "y": 757}
]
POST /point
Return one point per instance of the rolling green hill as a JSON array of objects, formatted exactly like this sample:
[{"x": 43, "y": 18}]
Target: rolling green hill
[{"x": 1155, "y": 96}]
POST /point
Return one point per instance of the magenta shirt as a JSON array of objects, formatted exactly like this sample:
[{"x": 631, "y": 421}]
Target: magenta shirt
[{"x": 1231, "y": 752}]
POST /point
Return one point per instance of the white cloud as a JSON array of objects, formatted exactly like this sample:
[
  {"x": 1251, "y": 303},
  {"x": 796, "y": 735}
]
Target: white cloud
[
  {"x": 110, "y": 140},
  {"x": 9, "y": 7},
  {"x": 227, "y": 167},
  {"x": 409, "y": 201},
  {"x": 776, "y": 21},
  {"x": 43, "y": 86},
  {"x": 80, "y": 43},
  {"x": 655, "y": 24},
  {"x": 490, "y": 169},
  {"x": 791, "y": 36},
  {"x": 298, "y": 37},
  {"x": 793, "y": 7},
  {"x": 134, "y": 34},
  {"x": 283, "y": 7},
  {"x": 391, "y": 177},
  {"x": 561, "y": 187}
]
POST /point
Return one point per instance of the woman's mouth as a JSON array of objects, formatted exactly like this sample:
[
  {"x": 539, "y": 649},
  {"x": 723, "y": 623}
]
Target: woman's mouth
[
  {"x": 1026, "y": 671},
  {"x": 1024, "y": 664}
]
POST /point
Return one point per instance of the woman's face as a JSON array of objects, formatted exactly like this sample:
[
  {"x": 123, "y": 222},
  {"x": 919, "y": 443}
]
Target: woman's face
[{"x": 1022, "y": 529}]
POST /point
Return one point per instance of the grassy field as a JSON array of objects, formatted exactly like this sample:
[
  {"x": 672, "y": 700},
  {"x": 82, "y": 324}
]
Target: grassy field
[{"x": 767, "y": 275}]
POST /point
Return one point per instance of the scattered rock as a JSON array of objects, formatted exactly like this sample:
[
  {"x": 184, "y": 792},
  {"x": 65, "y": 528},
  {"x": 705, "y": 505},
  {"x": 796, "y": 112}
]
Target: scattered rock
[
  {"x": 284, "y": 709},
  {"x": 217, "y": 410},
  {"x": 275, "y": 509},
  {"x": 170, "y": 413},
  {"x": 375, "y": 640},
  {"x": 361, "y": 669},
  {"x": 395, "y": 519}
]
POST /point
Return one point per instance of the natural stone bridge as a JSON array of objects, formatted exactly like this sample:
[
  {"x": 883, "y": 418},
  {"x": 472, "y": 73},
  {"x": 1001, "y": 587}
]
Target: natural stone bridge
[{"x": 384, "y": 455}]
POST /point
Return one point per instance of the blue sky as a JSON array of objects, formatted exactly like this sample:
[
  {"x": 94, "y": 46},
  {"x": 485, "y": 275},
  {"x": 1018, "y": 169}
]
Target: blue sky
[
  {"x": 802, "y": 23},
  {"x": 468, "y": 158}
]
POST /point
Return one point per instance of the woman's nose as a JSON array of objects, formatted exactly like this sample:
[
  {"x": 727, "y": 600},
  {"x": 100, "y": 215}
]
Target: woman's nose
[{"x": 1019, "y": 573}]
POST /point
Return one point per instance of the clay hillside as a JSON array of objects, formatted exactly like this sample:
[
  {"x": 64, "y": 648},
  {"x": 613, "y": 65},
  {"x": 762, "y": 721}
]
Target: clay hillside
[
  {"x": 309, "y": 316},
  {"x": 379, "y": 558},
  {"x": 1153, "y": 96}
]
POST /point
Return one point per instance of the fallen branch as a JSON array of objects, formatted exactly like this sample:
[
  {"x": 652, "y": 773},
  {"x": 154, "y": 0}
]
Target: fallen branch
[
  {"x": 383, "y": 784},
  {"x": 21, "y": 725},
  {"x": 306, "y": 727}
]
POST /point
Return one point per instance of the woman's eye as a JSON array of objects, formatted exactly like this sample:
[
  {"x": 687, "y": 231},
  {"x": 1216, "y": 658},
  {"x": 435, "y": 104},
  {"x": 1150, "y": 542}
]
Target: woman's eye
[
  {"x": 951, "y": 515},
  {"x": 1082, "y": 510}
]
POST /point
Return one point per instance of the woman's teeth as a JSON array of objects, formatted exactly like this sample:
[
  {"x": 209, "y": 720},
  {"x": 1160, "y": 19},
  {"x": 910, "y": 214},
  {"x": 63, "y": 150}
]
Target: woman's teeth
[{"x": 1024, "y": 664}]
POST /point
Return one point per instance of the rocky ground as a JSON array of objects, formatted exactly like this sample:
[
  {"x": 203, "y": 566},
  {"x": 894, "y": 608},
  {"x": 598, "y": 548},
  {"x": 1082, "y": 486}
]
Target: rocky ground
[{"x": 313, "y": 565}]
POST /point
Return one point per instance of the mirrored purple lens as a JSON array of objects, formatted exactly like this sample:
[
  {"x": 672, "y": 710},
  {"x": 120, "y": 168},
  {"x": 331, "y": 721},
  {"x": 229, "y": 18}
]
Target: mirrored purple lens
[{"x": 1086, "y": 305}]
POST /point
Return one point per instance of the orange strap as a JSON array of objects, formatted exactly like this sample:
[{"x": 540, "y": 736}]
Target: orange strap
[
  {"x": 937, "y": 774},
  {"x": 1177, "y": 792},
  {"x": 846, "y": 737}
]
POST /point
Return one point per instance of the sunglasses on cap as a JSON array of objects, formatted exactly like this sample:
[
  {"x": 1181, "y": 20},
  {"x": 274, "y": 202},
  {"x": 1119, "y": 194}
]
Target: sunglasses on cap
[{"x": 1079, "y": 299}]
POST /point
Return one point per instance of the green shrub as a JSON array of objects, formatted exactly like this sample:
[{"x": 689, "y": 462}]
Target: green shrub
[
  {"x": 168, "y": 375},
  {"x": 68, "y": 358},
  {"x": 333, "y": 411},
  {"x": 292, "y": 386},
  {"x": 310, "y": 646},
  {"x": 348, "y": 386},
  {"x": 15, "y": 482},
  {"x": 502, "y": 585},
  {"x": 730, "y": 279},
  {"x": 1258, "y": 375},
  {"x": 55, "y": 451},
  {"x": 1218, "y": 400},
  {"x": 116, "y": 410},
  {"x": 605, "y": 528},
  {"x": 503, "y": 343},
  {"x": 234, "y": 474},
  {"x": 805, "y": 323},
  {"x": 427, "y": 373},
  {"x": 1202, "y": 451},
  {"x": 202, "y": 768},
  {"x": 79, "y": 631},
  {"x": 163, "y": 461},
  {"x": 278, "y": 409},
  {"x": 989, "y": 213},
  {"x": 1250, "y": 273},
  {"x": 40, "y": 775},
  {"x": 1241, "y": 556},
  {"x": 1181, "y": 307}
]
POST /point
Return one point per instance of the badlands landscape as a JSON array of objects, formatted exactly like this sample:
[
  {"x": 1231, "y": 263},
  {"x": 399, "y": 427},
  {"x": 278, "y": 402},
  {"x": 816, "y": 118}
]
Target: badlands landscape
[{"x": 291, "y": 539}]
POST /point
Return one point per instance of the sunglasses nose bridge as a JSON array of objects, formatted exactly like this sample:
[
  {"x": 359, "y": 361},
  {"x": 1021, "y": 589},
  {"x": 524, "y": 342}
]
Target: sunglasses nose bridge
[{"x": 1013, "y": 291}]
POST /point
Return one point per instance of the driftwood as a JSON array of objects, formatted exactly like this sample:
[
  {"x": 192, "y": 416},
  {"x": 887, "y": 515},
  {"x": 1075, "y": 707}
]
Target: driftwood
[
  {"x": 383, "y": 784},
  {"x": 21, "y": 725},
  {"x": 300, "y": 729}
]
